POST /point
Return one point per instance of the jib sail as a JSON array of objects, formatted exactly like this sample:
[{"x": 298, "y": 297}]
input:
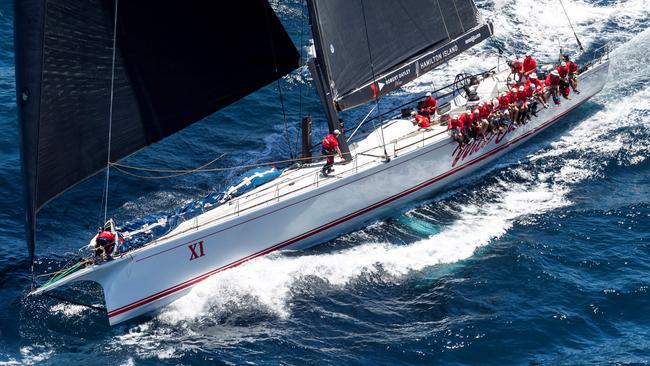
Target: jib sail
[{"x": 175, "y": 63}]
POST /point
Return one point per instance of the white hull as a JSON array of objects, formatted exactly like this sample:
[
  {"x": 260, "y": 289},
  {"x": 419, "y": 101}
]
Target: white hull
[{"x": 300, "y": 209}]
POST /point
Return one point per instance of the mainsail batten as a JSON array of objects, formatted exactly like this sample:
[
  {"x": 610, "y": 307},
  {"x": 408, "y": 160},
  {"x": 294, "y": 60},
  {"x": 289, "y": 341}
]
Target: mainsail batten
[{"x": 176, "y": 63}]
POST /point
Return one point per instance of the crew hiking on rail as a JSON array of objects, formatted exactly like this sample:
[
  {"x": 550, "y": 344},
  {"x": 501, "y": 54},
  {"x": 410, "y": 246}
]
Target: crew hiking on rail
[{"x": 528, "y": 87}]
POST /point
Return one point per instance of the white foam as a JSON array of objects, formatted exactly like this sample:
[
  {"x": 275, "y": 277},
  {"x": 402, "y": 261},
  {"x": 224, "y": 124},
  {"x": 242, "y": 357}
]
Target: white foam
[
  {"x": 68, "y": 310},
  {"x": 30, "y": 355},
  {"x": 268, "y": 282}
]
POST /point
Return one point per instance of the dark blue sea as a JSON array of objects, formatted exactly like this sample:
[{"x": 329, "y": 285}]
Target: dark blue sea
[{"x": 541, "y": 258}]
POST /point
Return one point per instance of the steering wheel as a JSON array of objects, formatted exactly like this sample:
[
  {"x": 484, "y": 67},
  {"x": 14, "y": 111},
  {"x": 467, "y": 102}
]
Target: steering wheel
[{"x": 461, "y": 81}]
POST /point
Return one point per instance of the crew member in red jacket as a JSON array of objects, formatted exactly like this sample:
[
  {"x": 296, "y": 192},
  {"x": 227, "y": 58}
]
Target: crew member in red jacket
[
  {"x": 466, "y": 124},
  {"x": 515, "y": 104},
  {"x": 422, "y": 120},
  {"x": 529, "y": 65},
  {"x": 517, "y": 66},
  {"x": 485, "y": 109},
  {"x": 479, "y": 125},
  {"x": 573, "y": 73},
  {"x": 105, "y": 243},
  {"x": 563, "y": 70},
  {"x": 522, "y": 104},
  {"x": 331, "y": 147},
  {"x": 534, "y": 80},
  {"x": 455, "y": 127},
  {"x": 429, "y": 104},
  {"x": 552, "y": 83},
  {"x": 504, "y": 103}
]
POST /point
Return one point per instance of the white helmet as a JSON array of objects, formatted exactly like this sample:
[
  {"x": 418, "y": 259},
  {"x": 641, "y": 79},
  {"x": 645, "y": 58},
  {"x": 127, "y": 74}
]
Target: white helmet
[
  {"x": 521, "y": 88},
  {"x": 455, "y": 116},
  {"x": 336, "y": 132},
  {"x": 528, "y": 54},
  {"x": 563, "y": 64},
  {"x": 533, "y": 76},
  {"x": 495, "y": 101},
  {"x": 428, "y": 94},
  {"x": 555, "y": 72}
]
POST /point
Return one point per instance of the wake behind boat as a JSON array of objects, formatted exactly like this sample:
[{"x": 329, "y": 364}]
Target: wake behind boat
[{"x": 383, "y": 168}]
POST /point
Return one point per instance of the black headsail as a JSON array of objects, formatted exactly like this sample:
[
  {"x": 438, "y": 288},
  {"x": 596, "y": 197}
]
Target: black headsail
[
  {"x": 176, "y": 62},
  {"x": 404, "y": 39}
]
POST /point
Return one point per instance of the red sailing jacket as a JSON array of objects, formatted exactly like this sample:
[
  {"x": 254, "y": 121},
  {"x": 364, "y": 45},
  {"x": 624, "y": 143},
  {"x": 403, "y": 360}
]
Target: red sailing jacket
[
  {"x": 573, "y": 67},
  {"x": 430, "y": 104},
  {"x": 517, "y": 66},
  {"x": 535, "y": 82},
  {"x": 504, "y": 101},
  {"x": 563, "y": 71},
  {"x": 529, "y": 64},
  {"x": 109, "y": 236},
  {"x": 552, "y": 80},
  {"x": 486, "y": 110},
  {"x": 422, "y": 121},
  {"x": 330, "y": 142},
  {"x": 465, "y": 121},
  {"x": 454, "y": 123},
  {"x": 474, "y": 119}
]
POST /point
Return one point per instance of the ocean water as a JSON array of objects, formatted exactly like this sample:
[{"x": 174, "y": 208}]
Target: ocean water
[{"x": 542, "y": 258}]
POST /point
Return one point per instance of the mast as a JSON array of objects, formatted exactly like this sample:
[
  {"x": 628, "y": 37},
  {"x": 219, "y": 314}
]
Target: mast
[{"x": 323, "y": 83}]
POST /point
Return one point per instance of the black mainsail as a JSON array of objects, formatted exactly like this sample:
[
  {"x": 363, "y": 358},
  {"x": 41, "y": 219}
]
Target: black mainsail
[
  {"x": 368, "y": 48},
  {"x": 175, "y": 63}
]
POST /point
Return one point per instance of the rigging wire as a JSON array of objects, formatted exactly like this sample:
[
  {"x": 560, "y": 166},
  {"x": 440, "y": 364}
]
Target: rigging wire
[
  {"x": 122, "y": 167},
  {"x": 378, "y": 92},
  {"x": 573, "y": 30},
  {"x": 278, "y": 76},
  {"x": 301, "y": 87},
  {"x": 110, "y": 114}
]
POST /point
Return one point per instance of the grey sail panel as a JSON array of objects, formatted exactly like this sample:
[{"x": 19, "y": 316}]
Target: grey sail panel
[
  {"x": 414, "y": 68},
  {"x": 176, "y": 63},
  {"x": 360, "y": 39}
]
